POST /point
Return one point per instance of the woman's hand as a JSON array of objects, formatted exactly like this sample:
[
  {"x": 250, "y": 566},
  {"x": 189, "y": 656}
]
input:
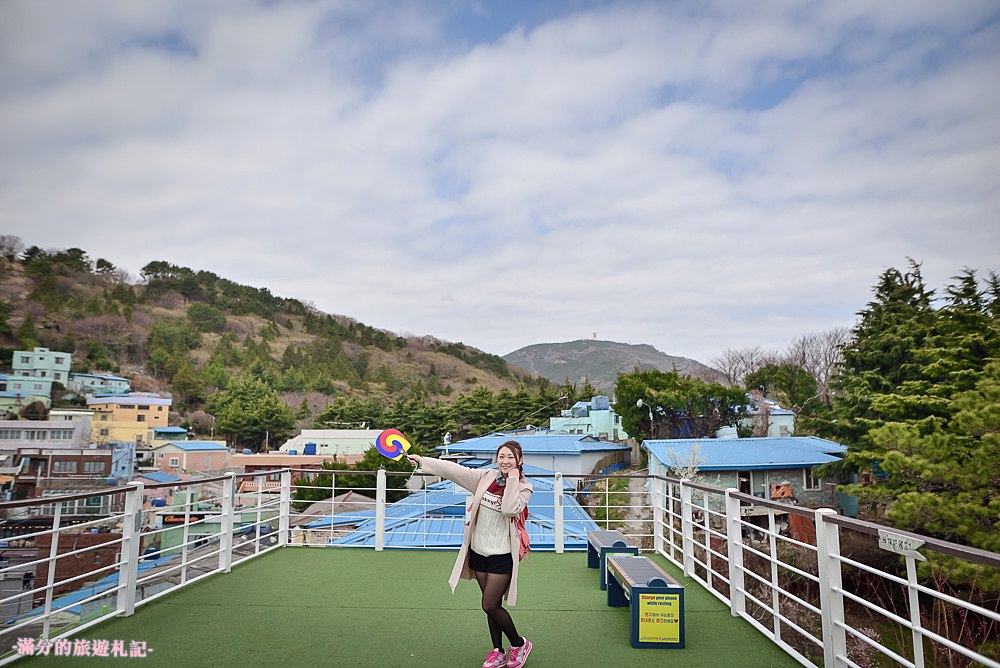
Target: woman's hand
[{"x": 414, "y": 459}]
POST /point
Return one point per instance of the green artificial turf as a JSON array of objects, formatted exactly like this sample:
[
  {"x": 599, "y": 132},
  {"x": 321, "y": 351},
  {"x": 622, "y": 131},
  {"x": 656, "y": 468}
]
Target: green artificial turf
[{"x": 354, "y": 607}]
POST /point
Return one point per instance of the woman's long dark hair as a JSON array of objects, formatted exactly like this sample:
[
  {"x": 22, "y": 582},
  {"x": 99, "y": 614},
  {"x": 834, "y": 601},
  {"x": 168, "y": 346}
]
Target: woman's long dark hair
[{"x": 514, "y": 447}]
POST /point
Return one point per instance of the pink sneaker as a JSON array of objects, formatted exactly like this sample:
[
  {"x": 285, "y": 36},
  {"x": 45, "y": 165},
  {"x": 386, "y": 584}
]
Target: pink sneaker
[
  {"x": 516, "y": 656},
  {"x": 495, "y": 659}
]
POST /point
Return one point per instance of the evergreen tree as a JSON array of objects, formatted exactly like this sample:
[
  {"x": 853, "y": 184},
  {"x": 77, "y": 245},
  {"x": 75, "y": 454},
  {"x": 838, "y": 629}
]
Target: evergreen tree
[
  {"x": 921, "y": 418},
  {"x": 250, "y": 412}
]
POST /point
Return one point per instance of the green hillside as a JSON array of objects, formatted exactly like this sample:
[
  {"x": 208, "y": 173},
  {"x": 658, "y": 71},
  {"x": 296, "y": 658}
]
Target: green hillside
[{"x": 193, "y": 334}]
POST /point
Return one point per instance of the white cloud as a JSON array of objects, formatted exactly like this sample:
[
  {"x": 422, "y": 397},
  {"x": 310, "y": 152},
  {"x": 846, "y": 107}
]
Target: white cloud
[{"x": 632, "y": 169}]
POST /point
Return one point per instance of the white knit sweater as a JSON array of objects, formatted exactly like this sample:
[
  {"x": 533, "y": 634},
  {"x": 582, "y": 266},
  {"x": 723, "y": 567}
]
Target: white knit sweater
[{"x": 491, "y": 535}]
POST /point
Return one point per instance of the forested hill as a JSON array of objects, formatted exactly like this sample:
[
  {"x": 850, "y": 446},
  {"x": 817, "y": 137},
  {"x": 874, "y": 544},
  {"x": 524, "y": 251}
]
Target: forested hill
[{"x": 190, "y": 332}]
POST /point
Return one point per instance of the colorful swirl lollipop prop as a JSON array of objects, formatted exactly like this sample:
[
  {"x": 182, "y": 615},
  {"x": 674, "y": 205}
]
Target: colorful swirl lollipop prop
[{"x": 392, "y": 444}]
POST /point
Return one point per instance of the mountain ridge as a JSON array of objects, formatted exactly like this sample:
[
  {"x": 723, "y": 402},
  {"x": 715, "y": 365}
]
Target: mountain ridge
[{"x": 599, "y": 362}]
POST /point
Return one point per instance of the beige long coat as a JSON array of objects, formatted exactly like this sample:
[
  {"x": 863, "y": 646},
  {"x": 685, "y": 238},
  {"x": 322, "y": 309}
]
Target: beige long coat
[{"x": 516, "y": 495}]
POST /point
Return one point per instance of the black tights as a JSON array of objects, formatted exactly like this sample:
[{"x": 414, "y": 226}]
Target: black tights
[{"x": 494, "y": 585}]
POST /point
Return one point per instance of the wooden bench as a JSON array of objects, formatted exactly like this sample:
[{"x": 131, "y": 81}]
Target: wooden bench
[
  {"x": 602, "y": 543},
  {"x": 655, "y": 598}
]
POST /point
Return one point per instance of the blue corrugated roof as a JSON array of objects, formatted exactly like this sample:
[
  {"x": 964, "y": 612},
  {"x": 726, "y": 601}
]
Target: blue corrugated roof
[
  {"x": 748, "y": 453},
  {"x": 546, "y": 443},
  {"x": 104, "y": 376},
  {"x": 195, "y": 446},
  {"x": 66, "y": 603},
  {"x": 170, "y": 430},
  {"x": 158, "y": 476},
  {"x": 433, "y": 518}
]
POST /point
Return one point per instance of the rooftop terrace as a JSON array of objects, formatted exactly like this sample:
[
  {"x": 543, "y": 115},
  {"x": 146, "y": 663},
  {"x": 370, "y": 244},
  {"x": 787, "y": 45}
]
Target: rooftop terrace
[
  {"x": 352, "y": 607},
  {"x": 222, "y": 578}
]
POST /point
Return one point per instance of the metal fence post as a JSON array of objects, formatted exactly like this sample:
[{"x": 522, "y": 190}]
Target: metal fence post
[
  {"x": 914, "y": 601},
  {"x": 128, "y": 572},
  {"x": 687, "y": 528},
  {"x": 228, "y": 523},
  {"x": 285, "y": 507},
  {"x": 380, "y": 511},
  {"x": 560, "y": 538},
  {"x": 734, "y": 548},
  {"x": 830, "y": 600},
  {"x": 658, "y": 499},
  {"x": 50, "y": 580}
]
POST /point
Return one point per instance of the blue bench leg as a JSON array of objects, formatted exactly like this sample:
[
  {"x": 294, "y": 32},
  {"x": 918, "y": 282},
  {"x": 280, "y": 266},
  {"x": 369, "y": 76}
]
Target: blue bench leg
[{"x": 616, "y": 594}]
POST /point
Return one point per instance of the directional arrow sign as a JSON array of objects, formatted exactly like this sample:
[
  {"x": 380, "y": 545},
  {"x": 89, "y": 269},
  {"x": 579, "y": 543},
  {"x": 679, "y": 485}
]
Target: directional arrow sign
[{"x": 900, "y": 544}]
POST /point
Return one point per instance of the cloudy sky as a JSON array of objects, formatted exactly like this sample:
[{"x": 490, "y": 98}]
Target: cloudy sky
[{"x": 693, "y": 175}]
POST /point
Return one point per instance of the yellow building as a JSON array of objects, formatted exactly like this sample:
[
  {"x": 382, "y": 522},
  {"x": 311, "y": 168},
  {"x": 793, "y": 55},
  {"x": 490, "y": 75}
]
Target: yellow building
[{"x": 128, "y": 417}]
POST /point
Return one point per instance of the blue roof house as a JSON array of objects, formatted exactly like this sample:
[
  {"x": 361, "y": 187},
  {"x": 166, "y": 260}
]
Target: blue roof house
[
  {"x": 594, "y": 418},
  {"x": 752, "y": 465},
  {"x": 570, "y": 454}
]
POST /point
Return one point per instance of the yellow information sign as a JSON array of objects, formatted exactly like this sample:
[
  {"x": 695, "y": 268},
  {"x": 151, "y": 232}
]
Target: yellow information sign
[{"x": 660, "y": 618}]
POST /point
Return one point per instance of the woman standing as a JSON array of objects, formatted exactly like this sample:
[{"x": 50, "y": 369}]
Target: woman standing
[{"x": 490, "y": 545}]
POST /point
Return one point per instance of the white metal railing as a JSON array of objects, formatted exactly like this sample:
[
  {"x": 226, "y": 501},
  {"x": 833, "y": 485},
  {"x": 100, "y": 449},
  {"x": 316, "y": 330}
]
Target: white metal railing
[
  {"x": 786, "y": 571},
  {"x": 803, "y": 577}
]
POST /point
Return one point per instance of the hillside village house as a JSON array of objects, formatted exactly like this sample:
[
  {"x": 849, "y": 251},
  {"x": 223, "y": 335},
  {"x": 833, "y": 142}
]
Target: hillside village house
[
  {"x": 767, "y": 415},
  {"x": 128, "y": 417},
  {"x": 594, "y": 418},
  {"x": 96, "y": 383},
  {"x": 16, "y": 392},
  {"x": 42, "y": 363},
  {"x": 272, "y": 461},
  {"x": 340, "y": 442},
  {"x": 752, "y": 465},
  {"x": 570, "y": 454},
  {"x": 190, "y": 456}
]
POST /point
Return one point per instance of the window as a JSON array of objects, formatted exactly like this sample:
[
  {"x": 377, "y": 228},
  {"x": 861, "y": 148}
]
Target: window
[
  {"x": 57, "y": 375},
  {"x": 810, "y": 483},
  {"x": 94, "y": 467},
  {"x": 144, "y": 408},
  {"x": 159, "y": 456},
  {"x": 104, "y": 431},
  {"x": 140, "y": 418},
  {"x": 25, "y": 360},
  {"x": 38, "y": 386},
  {"x": 64, "y": 466},
  {"x": 159, "y": 408},
  {"x": 41, "y": 374},
  {"x": 127, "y": 407},
  {"x": 3, "y": 387},
  {"x": 174, "y": 461},
  {"x": 59, "y": 360},
  {"x": 104, "y": 417}
]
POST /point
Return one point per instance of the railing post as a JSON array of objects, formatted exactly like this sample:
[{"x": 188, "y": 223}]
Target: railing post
[
  {"x": 285, "y": 507},
  {"x": 185, "y": 536},
  {"x": 380, "y": 511},
  {"x": 228, "y": 523},
  {"x": 50, "y": 580},
  {"x": 687, "y": 528},
  {"x": 830, "y": 599},
  {"x": 772, "y": 527},
  {"x": 734, "y": 545},
  {"x": 658, "y": 499},
  {"x": 128, "y": 569},
  {"x": 557, "y": 495},
  {"x": 914, "y": 601}
]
